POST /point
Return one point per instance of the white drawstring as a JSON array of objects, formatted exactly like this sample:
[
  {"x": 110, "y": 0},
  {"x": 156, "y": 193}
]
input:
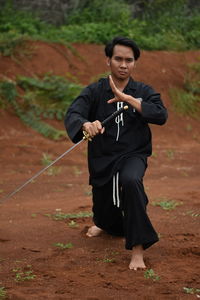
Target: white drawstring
[
  {"x": 119, "y": 119},
  {"x": 116, "y": 200}
]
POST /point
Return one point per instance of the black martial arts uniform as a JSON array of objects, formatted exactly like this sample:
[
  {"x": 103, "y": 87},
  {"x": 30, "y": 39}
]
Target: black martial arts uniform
[{"x": 117, "y": 159}]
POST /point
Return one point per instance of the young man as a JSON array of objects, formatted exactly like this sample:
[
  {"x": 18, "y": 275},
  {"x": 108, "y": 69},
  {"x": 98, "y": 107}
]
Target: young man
[{"x": 117, "y": 154}]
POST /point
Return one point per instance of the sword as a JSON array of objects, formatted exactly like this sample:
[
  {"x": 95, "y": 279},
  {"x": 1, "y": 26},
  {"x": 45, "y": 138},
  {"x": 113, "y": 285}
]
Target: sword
[{"x": 85, "y": 137}]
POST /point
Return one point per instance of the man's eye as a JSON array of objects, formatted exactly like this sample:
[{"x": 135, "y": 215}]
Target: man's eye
[{"x": 118, "y": 58}]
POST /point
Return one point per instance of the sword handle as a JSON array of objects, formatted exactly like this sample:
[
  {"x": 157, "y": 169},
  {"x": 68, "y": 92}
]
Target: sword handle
[
  {"x": 114, "y": 115},
  {"x": 104, "y": 122}
]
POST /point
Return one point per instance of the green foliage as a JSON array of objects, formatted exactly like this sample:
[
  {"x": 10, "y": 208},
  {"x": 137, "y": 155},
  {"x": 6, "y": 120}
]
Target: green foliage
[
  {"x": 11, "y": 43},
  {"x": 47, "y": 160},
  {"x": 191, "y": 291},
  {"x": 192, "y": 79},
  {"x": 151, "y": 274},
  {"x": 20, "y": 22},
  {"x": 62, "y": 216},
  {"x": 24, "y": 275},
  {"x": 101, "y": 11},
  {"x": 160, "y": 25},
  {"x": 166, "y": 204},
  {"x": 3, "y": 294},
  {"x": 8, "y": 93},
  {"x": 64, "y": 246},
  {"x": 73, "y": 224},
  {"x": 187, "y": 101},
  {"x": 46, "y": 98}
]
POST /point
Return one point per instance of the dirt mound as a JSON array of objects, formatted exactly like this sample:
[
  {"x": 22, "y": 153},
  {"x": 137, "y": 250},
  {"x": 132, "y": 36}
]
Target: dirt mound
[{"x": 43, "y": 257}]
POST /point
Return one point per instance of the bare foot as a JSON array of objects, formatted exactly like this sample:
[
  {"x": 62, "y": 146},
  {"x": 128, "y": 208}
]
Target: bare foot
[
  {"x": 137, "y": 261},
  {"x": 94, "y": 231}
]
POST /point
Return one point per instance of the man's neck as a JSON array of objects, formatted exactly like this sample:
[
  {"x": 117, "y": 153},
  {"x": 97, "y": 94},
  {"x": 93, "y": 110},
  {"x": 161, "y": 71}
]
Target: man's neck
[{"x": 120, "y": 84}]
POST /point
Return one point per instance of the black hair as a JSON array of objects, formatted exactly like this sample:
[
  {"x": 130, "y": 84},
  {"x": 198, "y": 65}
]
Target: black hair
[{"x": 120, "y": 40}]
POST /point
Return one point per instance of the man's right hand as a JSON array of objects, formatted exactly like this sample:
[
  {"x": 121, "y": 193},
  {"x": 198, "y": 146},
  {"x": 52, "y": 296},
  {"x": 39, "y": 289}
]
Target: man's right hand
[{"x": 93, "y": 128}]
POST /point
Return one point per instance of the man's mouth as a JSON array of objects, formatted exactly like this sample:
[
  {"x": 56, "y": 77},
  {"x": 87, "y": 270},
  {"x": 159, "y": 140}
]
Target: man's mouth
[{"x": 122, "y": 72}]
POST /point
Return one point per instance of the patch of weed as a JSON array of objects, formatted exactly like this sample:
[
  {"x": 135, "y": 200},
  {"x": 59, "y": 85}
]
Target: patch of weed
[
  {"x": 73, "y": 224},
  {"x": 62, "y": 216},
  {"x": 77, "y": 171},
  {"x": 108, "y": 260},
  {"x": 63, "y": 246},
  {"x": 47, "y": 160},
  {"x": 3, "y": 293},
  {"x": 193, "y": 213},
  {"x": 150, "y": 274},
  {"x": 165, "y": 203},
  {"x": 191, "y": 291},
  {"x": 24, "y": 275},
  {"x": 170, "y": 153}
]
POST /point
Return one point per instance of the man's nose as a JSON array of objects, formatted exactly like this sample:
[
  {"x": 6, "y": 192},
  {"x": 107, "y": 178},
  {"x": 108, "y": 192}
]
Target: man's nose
[{"x": 123, "y": 64}]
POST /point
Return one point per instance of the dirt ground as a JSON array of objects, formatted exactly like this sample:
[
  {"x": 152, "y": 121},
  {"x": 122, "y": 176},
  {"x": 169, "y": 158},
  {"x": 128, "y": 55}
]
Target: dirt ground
[{"x": 96, "y": 268}]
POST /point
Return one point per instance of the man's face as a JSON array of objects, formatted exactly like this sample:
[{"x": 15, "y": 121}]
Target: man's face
[{"x": 122, "y": 62}]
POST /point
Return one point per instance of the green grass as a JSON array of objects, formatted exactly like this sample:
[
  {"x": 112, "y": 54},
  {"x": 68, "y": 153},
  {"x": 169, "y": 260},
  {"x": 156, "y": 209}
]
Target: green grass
[
  {"x": 24, "y": 275},
  {"x": 41, "y": 99},
  {"x": 165, "y": 203},
  {"x": 73, "y": 224},
  {"x": 185, "y": 103},
  {"x": 3, "y": 293},
  {"x": 191, "y": 291},
  {"x": 47, "y": 160},
  {"x": 150, "y": 274},
  {"x": 62, "y": 216},
  {"x": 176, "y": 26},
  {"x": 63, "y": 246},
  {"x": 193, "y": 214},
  {"x": 59, "y": 215}
]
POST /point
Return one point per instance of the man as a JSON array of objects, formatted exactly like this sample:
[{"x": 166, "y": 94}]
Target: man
[{"x": 117, "y": 154}]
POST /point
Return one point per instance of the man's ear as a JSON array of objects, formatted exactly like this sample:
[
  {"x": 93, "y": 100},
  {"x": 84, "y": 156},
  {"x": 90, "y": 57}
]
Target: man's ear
[{"x": 108, "y": 61}]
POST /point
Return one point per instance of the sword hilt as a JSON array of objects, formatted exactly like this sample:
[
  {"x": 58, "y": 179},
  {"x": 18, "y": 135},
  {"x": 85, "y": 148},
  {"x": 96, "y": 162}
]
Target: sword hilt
[
  {"x": 104, "y": 122},
  {"x": 114, "y": 115}
]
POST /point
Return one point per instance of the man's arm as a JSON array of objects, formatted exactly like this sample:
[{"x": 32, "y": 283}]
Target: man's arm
[
  {"x": 151, "y": 109},
  {"x": 119, "y": 96}
]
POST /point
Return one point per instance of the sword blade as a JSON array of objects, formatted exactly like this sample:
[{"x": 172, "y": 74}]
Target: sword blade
[
  {"x": 40, "y": 172},
  {"x": 104, "y": 122}
]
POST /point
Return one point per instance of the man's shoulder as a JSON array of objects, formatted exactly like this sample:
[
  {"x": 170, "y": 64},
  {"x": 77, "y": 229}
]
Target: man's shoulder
[
  {"x": 137, "y": 84},
  {"x": 101, "y": 83}
]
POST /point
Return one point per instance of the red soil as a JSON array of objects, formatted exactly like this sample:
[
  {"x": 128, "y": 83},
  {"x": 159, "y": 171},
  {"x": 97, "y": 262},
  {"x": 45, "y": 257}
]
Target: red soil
[{"x": 96, "y": 268}]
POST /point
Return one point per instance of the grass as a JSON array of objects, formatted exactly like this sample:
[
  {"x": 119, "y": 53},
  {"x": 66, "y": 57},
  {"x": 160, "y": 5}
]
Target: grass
[
  {"x": 73, "y": 224},
  {"x": 191, "y": 291},
  {"x": 47, "y": 160},
  {"x": 63, "y": 246},
  {"x": 108, "y": 260},
  {"x": 97, "y": 21},
  {"x": 36, "y": 100},
  {"x": 63, "y": 216},
  {"x": 170, "y": 153},
  {"x": 185, "y": 103},
  {"x": 3, "y": 294},
  {"x": 77, "y": 171},
  {"x": 24, "y": 275},
  {"x": 165, "y": 203},
  {"x": 193, "y": 214},
  {"x": 150, "y": 274}
]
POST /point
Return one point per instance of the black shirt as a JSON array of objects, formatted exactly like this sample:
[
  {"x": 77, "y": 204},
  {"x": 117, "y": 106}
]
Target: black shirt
[{"x": 128, "y": 135}]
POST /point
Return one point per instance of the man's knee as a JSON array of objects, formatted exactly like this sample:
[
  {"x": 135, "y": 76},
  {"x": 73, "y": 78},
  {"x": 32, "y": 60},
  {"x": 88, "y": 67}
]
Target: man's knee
[{"x": 133, "y": 181}]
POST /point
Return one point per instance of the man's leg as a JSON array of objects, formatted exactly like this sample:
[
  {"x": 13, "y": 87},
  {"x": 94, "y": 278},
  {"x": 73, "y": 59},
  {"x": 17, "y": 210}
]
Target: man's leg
[
  {"x": 106, "y": 217},
  {"x": 139, "y": 232}
]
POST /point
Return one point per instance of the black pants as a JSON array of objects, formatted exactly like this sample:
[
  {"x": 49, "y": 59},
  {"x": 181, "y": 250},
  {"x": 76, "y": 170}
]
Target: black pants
[{"x": 130, "y": 219}]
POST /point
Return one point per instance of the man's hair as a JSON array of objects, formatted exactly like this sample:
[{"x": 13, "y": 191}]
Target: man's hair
[{"x": 120, "y": 40}]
